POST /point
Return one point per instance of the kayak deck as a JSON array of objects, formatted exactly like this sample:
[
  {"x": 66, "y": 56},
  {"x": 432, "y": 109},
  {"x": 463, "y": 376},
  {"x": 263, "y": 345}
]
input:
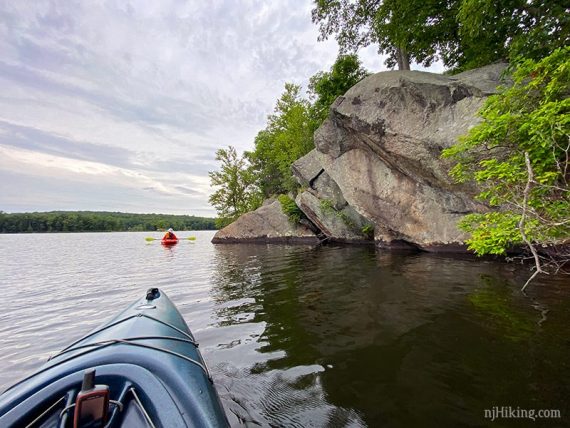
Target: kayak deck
[{"x": 147, "y": 357}]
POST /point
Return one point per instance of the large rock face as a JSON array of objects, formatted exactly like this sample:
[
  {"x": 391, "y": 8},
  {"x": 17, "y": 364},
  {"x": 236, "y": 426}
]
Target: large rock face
[
  {"x": 266, "y": 224},
  {"x": 379, "y": 153},
  {"x": 376, "y": 169}
]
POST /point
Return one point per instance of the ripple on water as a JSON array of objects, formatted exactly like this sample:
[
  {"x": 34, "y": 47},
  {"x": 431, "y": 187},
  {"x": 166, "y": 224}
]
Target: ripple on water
[{"x": 306, "y": 336}]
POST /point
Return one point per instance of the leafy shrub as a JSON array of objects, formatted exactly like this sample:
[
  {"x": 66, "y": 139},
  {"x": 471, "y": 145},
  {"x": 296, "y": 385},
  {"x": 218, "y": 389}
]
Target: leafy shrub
[
  {"x": 368, "y": 230},
  {"x": 290, "y": 208},
  {"x": 518, "y": 155}
]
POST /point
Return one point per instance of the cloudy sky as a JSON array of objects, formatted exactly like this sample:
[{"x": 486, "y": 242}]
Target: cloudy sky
[{"x": 120, "y": 106}]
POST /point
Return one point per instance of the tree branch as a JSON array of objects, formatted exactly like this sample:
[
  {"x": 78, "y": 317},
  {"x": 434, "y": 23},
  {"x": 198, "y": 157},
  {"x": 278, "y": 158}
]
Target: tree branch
[{"x": 526, "y": 193}]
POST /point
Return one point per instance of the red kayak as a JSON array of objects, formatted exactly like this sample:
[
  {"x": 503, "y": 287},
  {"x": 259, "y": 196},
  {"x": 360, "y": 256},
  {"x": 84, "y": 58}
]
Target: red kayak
[{"x": 169, "y": 241}]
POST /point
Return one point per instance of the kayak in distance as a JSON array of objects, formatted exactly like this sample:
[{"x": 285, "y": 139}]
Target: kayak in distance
[
  {"x": 141, "y": 369},
  {"x": 169, "y": 238},
  {"x": 169, "y": 242}
]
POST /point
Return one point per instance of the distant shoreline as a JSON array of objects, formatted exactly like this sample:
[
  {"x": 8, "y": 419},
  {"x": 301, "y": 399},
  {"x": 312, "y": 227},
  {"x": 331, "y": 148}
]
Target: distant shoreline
[
  {"x": 99, "y": 221},
  {"x": 103, "y": 231}
]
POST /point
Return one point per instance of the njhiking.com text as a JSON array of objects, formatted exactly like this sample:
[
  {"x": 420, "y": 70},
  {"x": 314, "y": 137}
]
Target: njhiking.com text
[{"x": 509, "y": 412}]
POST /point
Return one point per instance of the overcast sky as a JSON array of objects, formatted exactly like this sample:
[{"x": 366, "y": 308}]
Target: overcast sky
[{"x": 121, "y": 106}]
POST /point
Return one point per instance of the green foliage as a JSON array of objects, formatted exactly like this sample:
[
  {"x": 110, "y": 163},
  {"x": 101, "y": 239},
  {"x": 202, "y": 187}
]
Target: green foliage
[
  {"x": 327, "y": 206},
  {"x": 422, "y": 30},
  {"x": 464, "y": 34},
  {"x": 492, "y": 233},
  {"x": 531, "y": 117},
  {"x": 403, "y": 29},
  {"x": 287, "y": 137},
  {"x": 290, "y": 208},
  {"x": 326, "y": 87},
  {"x": 492, "y": 30},
  {"x": 237, "y": 191},
  {"x": 368, "y": 230},
  {"x": 89, "y": 221}
]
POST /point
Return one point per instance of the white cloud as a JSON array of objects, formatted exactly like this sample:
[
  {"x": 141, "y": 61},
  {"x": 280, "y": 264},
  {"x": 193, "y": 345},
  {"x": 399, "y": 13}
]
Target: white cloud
[
  {"x": 141, "y": 94},
  {"x": 75, "y": 170}
]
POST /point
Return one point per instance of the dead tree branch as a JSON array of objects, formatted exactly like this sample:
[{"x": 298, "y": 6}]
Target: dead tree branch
[{"x": 526, "y": 193}]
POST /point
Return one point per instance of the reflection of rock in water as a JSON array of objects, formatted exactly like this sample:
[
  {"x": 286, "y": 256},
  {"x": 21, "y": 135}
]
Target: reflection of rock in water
[
  {"x": 359, "y": 302},
  {"x": 367, "y": 338},
  {"x": 331, "y": 299}
]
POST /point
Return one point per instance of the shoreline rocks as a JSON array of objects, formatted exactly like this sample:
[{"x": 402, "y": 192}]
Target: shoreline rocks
[{"x": 267, "y": 224}]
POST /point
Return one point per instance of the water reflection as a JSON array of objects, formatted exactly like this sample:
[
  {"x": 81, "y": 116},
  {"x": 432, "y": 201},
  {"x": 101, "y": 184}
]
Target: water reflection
[
  {"x": 351, "y": 337},
  {"x": 305, "y": 336}
]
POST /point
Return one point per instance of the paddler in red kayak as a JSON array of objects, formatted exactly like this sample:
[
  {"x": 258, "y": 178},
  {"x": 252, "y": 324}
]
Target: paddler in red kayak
[{"x": 169, "y": 235}]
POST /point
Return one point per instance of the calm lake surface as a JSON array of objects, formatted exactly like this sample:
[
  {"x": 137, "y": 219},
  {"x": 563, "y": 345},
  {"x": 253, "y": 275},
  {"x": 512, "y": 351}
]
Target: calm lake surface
[{"x": 309, "y": 337}]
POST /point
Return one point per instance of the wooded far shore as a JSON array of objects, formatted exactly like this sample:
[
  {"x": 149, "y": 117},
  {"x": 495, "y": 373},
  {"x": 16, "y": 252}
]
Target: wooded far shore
[{"x": 99, "y": 221}]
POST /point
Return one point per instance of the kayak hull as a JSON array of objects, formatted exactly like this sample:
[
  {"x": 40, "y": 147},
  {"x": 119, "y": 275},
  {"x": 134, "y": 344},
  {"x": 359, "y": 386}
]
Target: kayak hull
[
  {"x": 169, "y": 242},
  {"x": 146, "y": 352}
]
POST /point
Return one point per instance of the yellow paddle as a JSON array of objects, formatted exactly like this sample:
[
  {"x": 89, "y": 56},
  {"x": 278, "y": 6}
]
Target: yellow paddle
[{"x": 189, "y": 238}]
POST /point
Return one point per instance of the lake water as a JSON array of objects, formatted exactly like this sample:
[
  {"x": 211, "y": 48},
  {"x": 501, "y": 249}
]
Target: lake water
[{"x": 309, "y": 337}]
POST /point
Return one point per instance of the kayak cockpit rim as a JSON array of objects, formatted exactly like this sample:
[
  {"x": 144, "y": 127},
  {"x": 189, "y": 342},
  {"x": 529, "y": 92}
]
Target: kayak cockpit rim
[
  {"x": 99, "y": 345},
  {"x": 118, "y": 405}
]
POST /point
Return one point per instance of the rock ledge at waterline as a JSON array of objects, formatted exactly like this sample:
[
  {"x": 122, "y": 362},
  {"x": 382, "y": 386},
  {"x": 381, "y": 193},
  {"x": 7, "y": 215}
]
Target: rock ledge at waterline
[
  {"x": 377, "y": 165},
  {"x": 266, "y": 224}
]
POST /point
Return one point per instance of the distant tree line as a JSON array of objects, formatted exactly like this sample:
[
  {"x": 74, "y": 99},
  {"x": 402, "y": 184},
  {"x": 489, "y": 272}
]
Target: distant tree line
[{"x": 90, "y": 221}]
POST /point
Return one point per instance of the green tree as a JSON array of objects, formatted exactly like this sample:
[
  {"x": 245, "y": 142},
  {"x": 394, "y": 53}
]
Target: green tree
[
  {"x": 519, "y": 156},
  {"x": 88, "y": 221},
  {"x": 491, "y": 30},
  {"x": 420, "y": 31},
  {"x": 237, "y": 191},
  {"x": 326, "y": 86},
  {"x": 464, "y": 34},
  {"x": 405, "y": 30},
  {"x": 287, "y": 137}
]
